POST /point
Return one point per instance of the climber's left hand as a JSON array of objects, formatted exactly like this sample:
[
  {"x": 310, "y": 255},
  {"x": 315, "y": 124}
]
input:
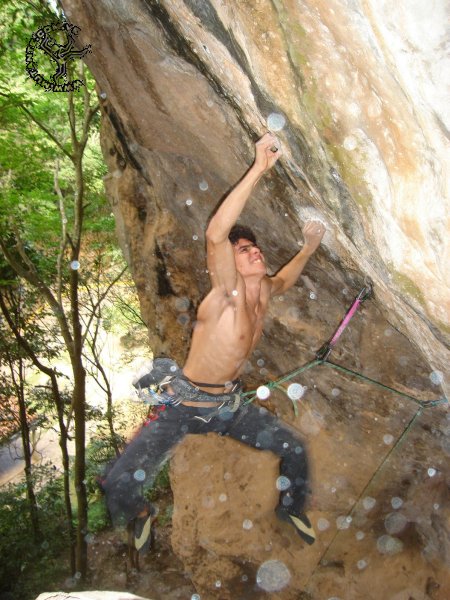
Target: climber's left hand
[{"x": 313, "y": 232}]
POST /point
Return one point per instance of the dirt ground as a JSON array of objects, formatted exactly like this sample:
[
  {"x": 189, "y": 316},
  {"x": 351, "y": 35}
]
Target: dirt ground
[{"x": 160, "y": 575}]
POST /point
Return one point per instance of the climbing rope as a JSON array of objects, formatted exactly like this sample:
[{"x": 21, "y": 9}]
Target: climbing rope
[
  {"x": 277, "y": 384},
  {"x": 322, "y": 359},
  {"x": 422, "y": 403},
  {"x": 397, "y": 445}
]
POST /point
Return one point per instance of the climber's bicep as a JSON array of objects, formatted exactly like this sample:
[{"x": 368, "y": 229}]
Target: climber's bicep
[{"x": 221, "y": 265}]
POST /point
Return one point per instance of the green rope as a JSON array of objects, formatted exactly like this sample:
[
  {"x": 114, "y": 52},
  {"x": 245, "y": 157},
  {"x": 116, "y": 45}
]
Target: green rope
[
  {"x": 421, "y": 403},
  {"x": 369, "y": 483},
  {"x": 277, "y": 384},
  {"x": 252, "y": 395}
]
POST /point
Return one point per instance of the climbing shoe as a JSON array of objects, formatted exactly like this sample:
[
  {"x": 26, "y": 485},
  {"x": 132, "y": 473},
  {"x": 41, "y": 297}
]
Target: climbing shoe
[
  {"x": 143, "y": 533},
  {"x": 301, "y": 523}
]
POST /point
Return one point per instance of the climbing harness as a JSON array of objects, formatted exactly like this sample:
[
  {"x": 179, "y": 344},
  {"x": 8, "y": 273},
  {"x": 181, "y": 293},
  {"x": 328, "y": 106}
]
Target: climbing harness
[
  {"x": 154, "y": 394},
  {"x": 150, "y": 388},
  {"x": 229, "y": 406},
  {"x": 198, "y": 384}
]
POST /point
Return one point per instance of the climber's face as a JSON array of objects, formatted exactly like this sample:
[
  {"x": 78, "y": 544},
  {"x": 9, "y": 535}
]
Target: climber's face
[{"x": 249, "y": 258}]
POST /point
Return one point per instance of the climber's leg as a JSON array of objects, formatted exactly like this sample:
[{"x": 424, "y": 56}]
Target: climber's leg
[
  {"x": 137, "y": 467},
  {"x": 257, "y": 427}
]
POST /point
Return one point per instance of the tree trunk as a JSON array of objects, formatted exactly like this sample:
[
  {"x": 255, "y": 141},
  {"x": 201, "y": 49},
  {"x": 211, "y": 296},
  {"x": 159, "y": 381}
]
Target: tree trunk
[
  {"x": 63, "y": 437},
  {"x": 79, "y": 407},
  {"x": 27, "y": 453}
]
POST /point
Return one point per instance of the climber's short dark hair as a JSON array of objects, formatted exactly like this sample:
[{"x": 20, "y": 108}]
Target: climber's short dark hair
[{"x": 241, "y": 232}]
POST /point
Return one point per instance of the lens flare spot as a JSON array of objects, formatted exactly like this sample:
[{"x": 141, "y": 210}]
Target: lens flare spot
[
  {"x": 369, "y": 502},
  {"x": 139, "y": 475},
  {"x": 296, "y": 391},
  {"x": 283, "y": 483},
  {"x": 263, "y": 392},
  {"x": 323, "y": 524},
  {"x": 387, "y": 544},
  {"x": 396, "y": 502},
  {"x": 436, "y": 377},
  {"x": 273, "y": 576},
  {"x": 276, "y": 121}
]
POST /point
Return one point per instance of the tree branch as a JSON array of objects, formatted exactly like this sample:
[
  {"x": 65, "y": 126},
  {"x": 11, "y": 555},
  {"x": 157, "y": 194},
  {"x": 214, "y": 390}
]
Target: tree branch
[
  {"x": 101, "y": 298},
  {"x": 21, "y": 340},
  {"x": 21, "y": 250},
  {"x": 34, "y": 279},
  {"x": 47, "y": 131},
  {"x": 63, "y": 243}
]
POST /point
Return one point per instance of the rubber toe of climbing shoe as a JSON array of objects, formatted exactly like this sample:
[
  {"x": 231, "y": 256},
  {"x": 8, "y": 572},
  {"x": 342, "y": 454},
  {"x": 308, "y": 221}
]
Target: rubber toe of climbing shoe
[
  {"x": 143, "y": 533},
  {"x": 301, "y": 523}
]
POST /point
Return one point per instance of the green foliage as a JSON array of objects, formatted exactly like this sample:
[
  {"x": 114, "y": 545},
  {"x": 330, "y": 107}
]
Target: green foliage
[
  {"x": 35, "y": 124},
  {"x": 41, "y": 405},
  {"x": 28, "y": 565},
  {"x": 17, "y": 375},
  {"x": 99, "y": 453},
  {"x": 161, "y": 484},
  {"x": 165, "y": 518},
  {"x": 51, "y": 493},
  {"x": 101, "y": 450},
  {"x": 98, "y": 517},
  {"x": 123, "y": 311},
  {"x": 41, "y": 162}
]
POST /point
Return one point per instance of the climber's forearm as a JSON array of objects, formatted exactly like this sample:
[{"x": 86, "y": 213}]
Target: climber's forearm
[
  {"x": 230, "y": 209},
  {"x": 288, "y": 275}
]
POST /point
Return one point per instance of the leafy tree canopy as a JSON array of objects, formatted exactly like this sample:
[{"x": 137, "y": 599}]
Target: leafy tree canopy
[{"x": 35, "y": 140}]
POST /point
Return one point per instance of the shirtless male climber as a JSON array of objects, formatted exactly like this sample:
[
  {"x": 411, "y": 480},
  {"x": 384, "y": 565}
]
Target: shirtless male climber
[{"x": 204, "y": 396}]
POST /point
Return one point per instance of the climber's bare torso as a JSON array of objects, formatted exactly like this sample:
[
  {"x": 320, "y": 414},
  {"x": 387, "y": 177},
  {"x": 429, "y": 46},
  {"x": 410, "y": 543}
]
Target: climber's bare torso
[{"x": 228, "y": 327}]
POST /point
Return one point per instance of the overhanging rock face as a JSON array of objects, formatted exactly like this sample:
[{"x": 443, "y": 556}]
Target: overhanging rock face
[
  {"x": 185, "y": 88},
  {"x": 188, "y": 85}
]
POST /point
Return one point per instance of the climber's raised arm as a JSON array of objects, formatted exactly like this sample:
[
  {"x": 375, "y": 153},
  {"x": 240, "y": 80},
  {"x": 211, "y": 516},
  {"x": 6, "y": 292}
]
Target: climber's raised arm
[
  {"x": 229, "y": 211},
  {"x": 313, "y": 232},
  {"x": 220, "y": 255}
]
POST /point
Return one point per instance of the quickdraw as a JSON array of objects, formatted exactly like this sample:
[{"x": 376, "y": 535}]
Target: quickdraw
[{"x": 324, "y": 352}]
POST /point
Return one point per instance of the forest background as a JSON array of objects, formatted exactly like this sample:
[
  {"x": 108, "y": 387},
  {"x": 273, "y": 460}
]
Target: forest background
[{"x": 64, "y": 288}]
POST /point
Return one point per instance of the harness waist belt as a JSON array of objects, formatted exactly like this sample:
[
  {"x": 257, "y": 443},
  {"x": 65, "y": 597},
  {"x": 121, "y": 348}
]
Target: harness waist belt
[{"x": 231, "y": 384}]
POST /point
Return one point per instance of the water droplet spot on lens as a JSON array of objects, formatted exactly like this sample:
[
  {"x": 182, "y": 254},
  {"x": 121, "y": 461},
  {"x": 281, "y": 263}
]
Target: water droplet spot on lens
[
  {"x": 139, "y": 475},
  {"x": 263, "y": 392},
  {"x": 436, "y": 377},
  {"x": 273, "y": 576}
]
